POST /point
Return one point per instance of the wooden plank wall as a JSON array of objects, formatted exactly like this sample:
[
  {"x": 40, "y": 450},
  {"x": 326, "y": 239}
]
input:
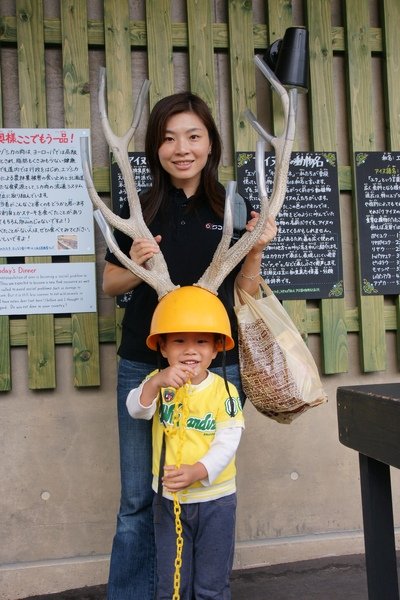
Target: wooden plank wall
[{"x": 239, "y": 36}]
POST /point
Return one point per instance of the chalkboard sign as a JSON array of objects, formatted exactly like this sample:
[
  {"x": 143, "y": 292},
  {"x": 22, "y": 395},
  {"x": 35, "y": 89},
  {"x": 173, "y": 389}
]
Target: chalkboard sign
[
  {"x": 118, "y": 193},
  {"x": 142, "y": 179},
  {"x": 378, "y": 207},
  {"x": 305, "y": 259}
]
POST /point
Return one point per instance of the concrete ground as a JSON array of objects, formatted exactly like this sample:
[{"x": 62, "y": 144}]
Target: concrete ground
[{"x": 333, "y": 578}]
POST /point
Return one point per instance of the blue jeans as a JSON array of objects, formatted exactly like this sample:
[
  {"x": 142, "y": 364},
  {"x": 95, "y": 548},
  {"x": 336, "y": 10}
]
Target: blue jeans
[
  {"x": 132, "y": 566},
  {"x": 208, "y": 549}
]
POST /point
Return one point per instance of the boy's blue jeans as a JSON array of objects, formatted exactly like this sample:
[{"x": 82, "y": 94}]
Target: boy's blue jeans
[
  {"x": 132, "y": 567},
  {"x": 208, "y": 549}
]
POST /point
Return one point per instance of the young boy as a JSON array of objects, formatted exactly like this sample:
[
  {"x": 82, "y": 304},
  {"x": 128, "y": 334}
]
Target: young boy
[{"x": 200, "y": 416}]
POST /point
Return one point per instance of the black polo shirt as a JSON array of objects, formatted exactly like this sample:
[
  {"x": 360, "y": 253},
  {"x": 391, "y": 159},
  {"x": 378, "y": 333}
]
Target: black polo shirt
[{"x": 189, "y": 239}]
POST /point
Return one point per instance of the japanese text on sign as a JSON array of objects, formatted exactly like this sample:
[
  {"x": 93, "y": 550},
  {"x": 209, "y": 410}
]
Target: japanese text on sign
[
  {"x": 142, "y": 178},
  {"x": 118, "y": 193},
  {"x": 304, "y": 260},
  {"x": 44, "y": 205},
  {"x": 378, "y": 209}
]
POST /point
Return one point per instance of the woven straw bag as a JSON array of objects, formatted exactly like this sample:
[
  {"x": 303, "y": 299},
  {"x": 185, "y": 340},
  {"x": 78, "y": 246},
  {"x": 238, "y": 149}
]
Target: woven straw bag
[{"x": 279, "y": 374}]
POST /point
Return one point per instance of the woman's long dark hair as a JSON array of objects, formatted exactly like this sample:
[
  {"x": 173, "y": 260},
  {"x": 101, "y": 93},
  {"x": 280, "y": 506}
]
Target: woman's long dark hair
[{"x": 152, "y": 200}]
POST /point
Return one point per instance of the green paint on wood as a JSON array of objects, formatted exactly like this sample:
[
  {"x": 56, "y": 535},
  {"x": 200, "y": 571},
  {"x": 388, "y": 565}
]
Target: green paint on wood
[
  {"x": 243, "y": 81},
  {"x": 32, "y": 94},
  {"x": 358, "y": 59},
  {"x": 159, "y": 49},
  {"x": 201, "y": 55},
  {"x": 321, "y": 100},
  {"x": 5, "y": 361},
  {"x": 85, "y": 337}
]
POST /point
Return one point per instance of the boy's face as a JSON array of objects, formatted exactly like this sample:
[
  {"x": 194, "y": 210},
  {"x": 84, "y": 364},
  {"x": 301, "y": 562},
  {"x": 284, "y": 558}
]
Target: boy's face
[{"x": 196, "y": 350}]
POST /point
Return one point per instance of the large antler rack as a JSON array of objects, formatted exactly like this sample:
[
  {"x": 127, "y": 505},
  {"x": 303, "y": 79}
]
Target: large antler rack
[
  {"x": 226, "y": 258},
  {"x": 155, "y": 272}
]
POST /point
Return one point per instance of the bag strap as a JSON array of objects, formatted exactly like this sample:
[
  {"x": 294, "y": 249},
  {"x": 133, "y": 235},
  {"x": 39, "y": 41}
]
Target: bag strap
[
  {"x": 158, "y": 498},
  {"x": 231, "y": 401},
  {"x": 243, "y": 297}
]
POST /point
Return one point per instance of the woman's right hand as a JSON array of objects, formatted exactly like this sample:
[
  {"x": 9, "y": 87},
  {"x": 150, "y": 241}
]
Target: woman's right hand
[
  {"x": 143, "y": 249},
  {"x": 118, "y": 280}
]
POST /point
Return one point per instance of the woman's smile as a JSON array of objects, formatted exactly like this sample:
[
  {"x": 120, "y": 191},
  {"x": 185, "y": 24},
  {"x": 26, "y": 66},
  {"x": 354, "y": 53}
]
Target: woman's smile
[{"x": 183, "y": 165}]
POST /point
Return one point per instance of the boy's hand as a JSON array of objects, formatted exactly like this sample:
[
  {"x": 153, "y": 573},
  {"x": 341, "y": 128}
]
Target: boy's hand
[
  {"x": 174, "y": 376},
  {"x": 177, "y": 479}
]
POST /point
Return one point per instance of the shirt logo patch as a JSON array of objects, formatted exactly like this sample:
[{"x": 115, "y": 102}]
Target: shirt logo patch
[
  {"x": 232, "y": 406},
  {"x": 214, "y": 227},
  {"x": 168, "y": 394}
]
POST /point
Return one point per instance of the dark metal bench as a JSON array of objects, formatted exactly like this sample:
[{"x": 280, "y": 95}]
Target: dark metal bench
[{"x": 369, "y": 422}]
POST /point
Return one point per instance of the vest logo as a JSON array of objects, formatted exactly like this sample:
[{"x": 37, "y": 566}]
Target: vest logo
[
  {"x": 168, "y": 394},
  {"x": 232, "y": 406}
]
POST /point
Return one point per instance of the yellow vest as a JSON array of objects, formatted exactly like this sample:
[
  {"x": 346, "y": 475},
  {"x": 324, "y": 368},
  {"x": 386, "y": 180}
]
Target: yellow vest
[{"x": 210, "y": 409}]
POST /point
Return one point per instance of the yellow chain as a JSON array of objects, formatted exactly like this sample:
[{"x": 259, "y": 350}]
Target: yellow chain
[
  {"x": 179, "y": 426},
  {"x": 179, "y": 548}
]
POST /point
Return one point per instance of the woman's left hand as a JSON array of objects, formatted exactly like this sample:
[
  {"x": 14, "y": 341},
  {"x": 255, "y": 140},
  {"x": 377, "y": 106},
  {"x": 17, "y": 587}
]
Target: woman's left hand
[{"x": 267, "y": 235}]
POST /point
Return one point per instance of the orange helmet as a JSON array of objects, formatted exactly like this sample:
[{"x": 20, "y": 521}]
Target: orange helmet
[{"x": 190, "y": 309}]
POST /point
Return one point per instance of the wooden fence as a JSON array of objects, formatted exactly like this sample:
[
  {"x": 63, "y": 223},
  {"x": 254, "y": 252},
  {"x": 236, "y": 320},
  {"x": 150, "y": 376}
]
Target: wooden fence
[{"x": 201, "y": 38}]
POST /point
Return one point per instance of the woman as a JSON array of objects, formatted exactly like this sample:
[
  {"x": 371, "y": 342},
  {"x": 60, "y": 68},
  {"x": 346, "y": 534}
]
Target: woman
[{"x": 184, "y": 211}]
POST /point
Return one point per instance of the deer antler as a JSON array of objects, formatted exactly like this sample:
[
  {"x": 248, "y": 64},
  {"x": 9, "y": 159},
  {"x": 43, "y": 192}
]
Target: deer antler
[
  {"x": 225, "y": 259},
  {"x": 156, "y": 272}
]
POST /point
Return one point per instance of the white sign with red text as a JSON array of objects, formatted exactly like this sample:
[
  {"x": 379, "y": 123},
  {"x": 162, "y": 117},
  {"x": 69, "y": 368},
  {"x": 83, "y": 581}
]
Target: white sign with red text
[
  {"x": 45, "y": 208},
  {"x": 46, "y": 288}
]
